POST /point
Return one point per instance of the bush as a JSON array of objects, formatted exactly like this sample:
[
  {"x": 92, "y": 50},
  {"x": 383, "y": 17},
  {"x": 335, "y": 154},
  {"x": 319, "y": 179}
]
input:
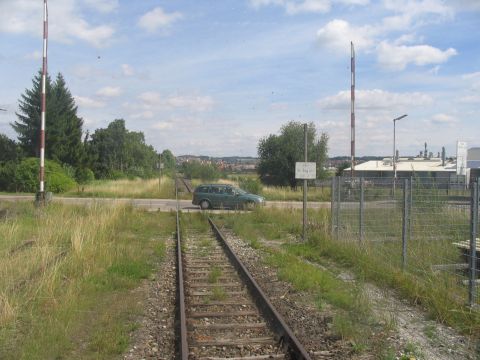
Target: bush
[
  {"x": 196, "y": 170},
  {"x": 7, "y": 174},
  {"x": 84, "y": 176},
  {"x": 56, "y": 179},
  {"x": 251, "y": 185}
]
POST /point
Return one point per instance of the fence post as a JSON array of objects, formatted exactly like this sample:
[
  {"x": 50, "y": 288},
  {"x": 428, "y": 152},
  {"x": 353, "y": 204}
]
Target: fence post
[
  {"x": 362, "y": 205},
  {"x": 337, "y": 210},
  {"x": 410, "y": 209},
  {"x": 473, "y": 245},
  {"x": 404, "y": 224},
  {"x": 332, "y": 205}
]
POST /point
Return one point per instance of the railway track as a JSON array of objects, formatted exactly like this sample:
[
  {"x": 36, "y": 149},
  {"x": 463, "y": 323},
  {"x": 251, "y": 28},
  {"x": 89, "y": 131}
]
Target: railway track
[
  {"x": 184, "y": 184},
  {"x": 223, "y": 313}
]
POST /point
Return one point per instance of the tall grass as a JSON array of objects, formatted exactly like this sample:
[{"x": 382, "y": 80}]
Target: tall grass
[
  {"x": 441, "y": 293},
  {"x": 137, "y": 188},
  {"x": 65, "y": 273}
]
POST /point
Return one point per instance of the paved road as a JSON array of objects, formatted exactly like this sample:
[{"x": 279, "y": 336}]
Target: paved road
[{"x": 156, "y": 204}]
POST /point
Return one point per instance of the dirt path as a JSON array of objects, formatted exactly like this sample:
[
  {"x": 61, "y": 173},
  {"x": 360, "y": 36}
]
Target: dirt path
[{"x": 425, "y": 338}]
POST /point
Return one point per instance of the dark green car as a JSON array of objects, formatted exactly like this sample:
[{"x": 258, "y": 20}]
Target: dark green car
[{"x": 211, "y": 196}]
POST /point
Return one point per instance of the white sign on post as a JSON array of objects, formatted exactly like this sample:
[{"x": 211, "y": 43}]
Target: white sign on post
[{"x": 305, "y": 170}]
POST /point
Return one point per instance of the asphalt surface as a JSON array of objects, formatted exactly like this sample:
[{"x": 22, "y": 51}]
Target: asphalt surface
[{"x": 157, "y": 204}]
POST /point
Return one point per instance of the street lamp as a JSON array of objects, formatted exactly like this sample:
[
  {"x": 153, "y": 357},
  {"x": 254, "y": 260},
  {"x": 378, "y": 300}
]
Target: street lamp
[{"x": 394, "y": 160}]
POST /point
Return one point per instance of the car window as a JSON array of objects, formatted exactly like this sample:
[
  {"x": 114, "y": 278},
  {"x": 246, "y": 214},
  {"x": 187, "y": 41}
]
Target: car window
[
  {"x": 229, "y": 191},
  {"x": 202, "y": 189}
]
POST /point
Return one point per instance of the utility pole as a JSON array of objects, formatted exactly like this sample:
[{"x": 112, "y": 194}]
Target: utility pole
[
  {"x": 41, "y": 193},
  {"x": 352, "y": 110},
  {"x": 394, "y": 155},
  {"x": 305, "y": 131}
]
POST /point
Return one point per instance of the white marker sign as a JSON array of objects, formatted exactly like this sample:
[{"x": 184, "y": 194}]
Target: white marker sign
[{"x": 305, "y": 170}]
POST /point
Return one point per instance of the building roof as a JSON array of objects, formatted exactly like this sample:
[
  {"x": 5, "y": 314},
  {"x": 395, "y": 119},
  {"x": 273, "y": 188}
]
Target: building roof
[{"x": 407, "y": 164}]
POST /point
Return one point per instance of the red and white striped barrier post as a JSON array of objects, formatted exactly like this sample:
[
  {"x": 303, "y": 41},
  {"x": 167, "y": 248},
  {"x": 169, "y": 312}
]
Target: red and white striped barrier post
[{"x": 41, "y": 195}]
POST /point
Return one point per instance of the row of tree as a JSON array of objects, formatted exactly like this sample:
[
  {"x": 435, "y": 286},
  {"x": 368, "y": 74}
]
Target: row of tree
[{"x": 112, "y": 152}]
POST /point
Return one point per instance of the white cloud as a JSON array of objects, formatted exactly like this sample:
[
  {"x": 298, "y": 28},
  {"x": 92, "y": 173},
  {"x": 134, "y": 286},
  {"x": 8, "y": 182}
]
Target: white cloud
[
  {"x": 470, "y": 99},
  {"x": 443, "y": 119},
  {"x": 162, "y": 125},
  {"x": 104, "y": 6},
  {"x": 35, "y": 55},
  {"x": 88, "y": 102},
  {"x": 66, "y": 22},
  {"x": 153, "y": 100},
  {"x": 337, "y": 35},
  {"x": 306, "y": 6},
  {"x": 398, "y": 57},
  {"x": 127, "y": 70},
  {"x": 157, "y": 19},
  {"x": 294, "y": 7},
  {"x": 195, "y": 103},
  {"x": 375, "y": 99},
  {"x": 109, "y": 91}
]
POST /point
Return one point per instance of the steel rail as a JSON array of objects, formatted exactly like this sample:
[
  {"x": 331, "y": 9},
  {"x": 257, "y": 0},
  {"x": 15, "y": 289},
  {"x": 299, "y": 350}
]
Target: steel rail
[
  {"x": 296, "y": 350},
  {"x": 183, "y": 348}
]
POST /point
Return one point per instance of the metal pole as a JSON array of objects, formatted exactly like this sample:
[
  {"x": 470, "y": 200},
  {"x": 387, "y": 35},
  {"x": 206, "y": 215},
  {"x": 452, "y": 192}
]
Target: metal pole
[
  {"x": 394, "y": 160},
  {"x": 394, "y": 157},
  {"x": 352, "y": 110},
  {"x": 41, "y": 195},
  {"x": 472, "y": 292},
  {"x": 362, "y": 206},
  {"x": 160, "y": 172},
  {"x": 404, "y": 224},
  {"x": 305, "y": 130},
  {"x": 332, "y": 205},
  {"x": 410, "y": 209},
  {"x": 339, "y": 203}
]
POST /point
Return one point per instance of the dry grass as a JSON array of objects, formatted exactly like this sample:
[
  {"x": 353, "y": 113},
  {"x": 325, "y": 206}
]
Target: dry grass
[
  {"x": 137, "y": 188},
  {"x": 62, "y": 269}
]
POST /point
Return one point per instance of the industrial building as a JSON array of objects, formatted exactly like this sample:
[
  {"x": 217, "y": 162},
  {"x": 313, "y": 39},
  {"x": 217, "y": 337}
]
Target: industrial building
[{"x": 433, "y": 168}]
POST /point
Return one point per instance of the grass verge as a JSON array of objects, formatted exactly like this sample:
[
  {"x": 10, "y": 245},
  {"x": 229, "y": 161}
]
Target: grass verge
[{"x": 71, "y": 292}]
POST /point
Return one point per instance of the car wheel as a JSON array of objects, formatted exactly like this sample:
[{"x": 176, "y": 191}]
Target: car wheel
[{"x": 204, "y": 204}]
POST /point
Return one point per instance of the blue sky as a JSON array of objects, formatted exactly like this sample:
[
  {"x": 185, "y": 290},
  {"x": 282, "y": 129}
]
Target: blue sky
[{"x": 213, "y": 77}]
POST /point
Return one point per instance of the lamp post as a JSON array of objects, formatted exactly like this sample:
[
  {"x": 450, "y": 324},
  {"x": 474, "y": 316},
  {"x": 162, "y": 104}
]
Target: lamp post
[{"x": 394, "y": 160}]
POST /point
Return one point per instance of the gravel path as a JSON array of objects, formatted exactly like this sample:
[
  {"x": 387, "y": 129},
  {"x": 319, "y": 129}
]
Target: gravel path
[
  {"x": 155, "y": 337},
  {"x": 311, "y": 326}
]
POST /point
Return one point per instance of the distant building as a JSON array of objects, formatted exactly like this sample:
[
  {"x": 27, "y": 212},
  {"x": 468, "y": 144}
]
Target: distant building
[
  {"x": 431, "y": 168},
  {"x": 473, "y": 162}
]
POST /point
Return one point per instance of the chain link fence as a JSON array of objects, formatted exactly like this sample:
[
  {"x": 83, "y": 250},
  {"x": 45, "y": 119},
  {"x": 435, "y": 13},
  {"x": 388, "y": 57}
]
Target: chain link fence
[{"x": 423, "y": 227}]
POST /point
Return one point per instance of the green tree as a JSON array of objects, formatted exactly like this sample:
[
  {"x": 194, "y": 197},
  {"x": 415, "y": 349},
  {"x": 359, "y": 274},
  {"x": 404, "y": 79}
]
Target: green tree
[
  {"x": 168, "y": 160},
  {"x": 115, "y": 151},
  {"x": 63, "y": 127},
  {"x": 279, "y": 153},
  {"x": 9, "y": 150},
  {"x": 28, "y": 125}
]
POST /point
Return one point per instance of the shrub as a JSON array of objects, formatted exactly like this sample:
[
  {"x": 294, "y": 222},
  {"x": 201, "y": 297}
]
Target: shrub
[
  {"x": 84, "y": 176},
  {"x": 251, "y": 185},
  {"x": 56, "y": 180},
  {"x": 7, "y": 174}
]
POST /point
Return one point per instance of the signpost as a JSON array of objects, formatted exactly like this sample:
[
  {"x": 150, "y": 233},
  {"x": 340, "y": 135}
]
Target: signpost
[{"x": 305, "y": 170}]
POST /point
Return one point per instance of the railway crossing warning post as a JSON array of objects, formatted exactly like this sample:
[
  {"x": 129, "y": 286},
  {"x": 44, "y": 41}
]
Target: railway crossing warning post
[{"x": 306, "y": 171}]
